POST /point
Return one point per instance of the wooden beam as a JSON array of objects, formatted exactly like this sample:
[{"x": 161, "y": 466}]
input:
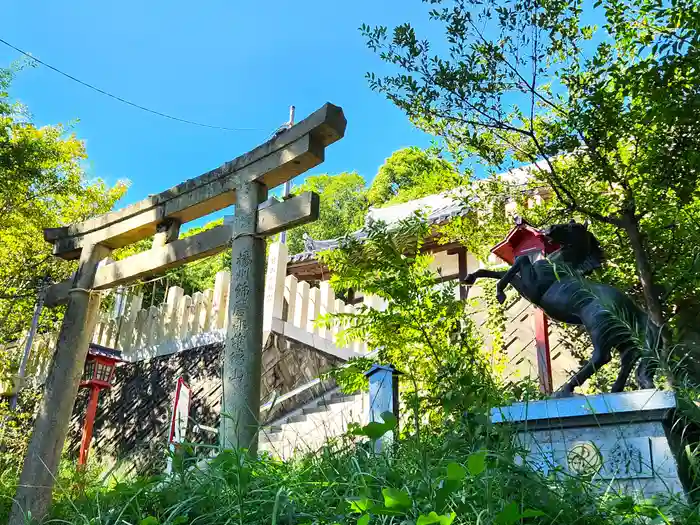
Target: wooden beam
[
  {"x": 167, "y": 231},
  {"x": 58, "y": 293},
  {"x": 296, "y": 211},
  {"x": 463, "y": 271},
  {"x": 273, "y": 163}
]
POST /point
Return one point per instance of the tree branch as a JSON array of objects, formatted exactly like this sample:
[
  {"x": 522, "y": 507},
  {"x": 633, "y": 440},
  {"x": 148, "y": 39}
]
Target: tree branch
[{"x": 517, "y": 73}]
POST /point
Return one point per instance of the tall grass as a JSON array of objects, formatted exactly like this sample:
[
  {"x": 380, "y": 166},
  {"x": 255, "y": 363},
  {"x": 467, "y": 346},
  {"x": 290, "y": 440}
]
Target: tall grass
[{"x": 464, "y": 474}]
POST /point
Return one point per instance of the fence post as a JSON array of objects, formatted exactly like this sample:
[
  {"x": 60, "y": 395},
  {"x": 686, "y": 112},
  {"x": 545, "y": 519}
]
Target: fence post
[
  {"x": 170, "y": 314},
  {"x": 338, "y": 308},
  {"x": 290, "y": 296},
  {"x": 327, "y": 307},
  {"x": 127, "y": 339},
  {"x": 301, "y": 307},
  {"x": 383, "y": 397},
  {"x": 274, "y": 286},
  {"x": 184, "y": 315},
  {"x": 314, "y": 310},
  {"x": 221, "y": 289}
]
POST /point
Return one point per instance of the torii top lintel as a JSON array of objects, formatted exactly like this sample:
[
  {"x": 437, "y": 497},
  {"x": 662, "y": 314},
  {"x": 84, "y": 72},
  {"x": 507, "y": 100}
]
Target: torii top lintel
[{"x": 278, "y": 160}]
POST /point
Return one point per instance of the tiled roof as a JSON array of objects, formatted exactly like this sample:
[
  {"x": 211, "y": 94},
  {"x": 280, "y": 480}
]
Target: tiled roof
[
  {"x": 439, "y": 208},
  {"x": 95, "y": 349}
]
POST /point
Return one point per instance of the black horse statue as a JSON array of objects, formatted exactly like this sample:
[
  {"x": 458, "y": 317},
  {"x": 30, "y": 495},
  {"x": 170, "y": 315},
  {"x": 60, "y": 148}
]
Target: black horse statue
[{"x": 557, "y": 284}]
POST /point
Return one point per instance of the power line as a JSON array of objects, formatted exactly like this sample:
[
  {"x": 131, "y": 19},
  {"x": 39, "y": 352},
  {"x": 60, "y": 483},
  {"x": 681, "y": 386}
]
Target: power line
[{"x": 120, "y": 99}]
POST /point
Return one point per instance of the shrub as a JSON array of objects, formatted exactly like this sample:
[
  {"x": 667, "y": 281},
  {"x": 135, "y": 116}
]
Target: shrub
[{"x": 465, "y": 473}]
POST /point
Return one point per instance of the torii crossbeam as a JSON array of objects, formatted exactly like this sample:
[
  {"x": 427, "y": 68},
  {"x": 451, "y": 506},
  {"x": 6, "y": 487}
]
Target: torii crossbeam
[{"x": 243, "y": 182}]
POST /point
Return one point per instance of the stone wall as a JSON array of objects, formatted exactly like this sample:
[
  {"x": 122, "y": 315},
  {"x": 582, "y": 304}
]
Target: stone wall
[{"x": 133, "y": 417}]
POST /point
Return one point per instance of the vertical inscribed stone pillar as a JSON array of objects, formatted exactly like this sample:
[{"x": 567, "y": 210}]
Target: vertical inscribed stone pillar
[{"x": 240, "y": 408}]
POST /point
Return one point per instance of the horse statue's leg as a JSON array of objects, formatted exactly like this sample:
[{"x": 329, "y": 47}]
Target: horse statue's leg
[
  {"x": 602, "y": 354},
  {"x": 650, "y": 361},
  {"x": 526, "y": 284},
  {"x": 645, "y": 372},
  {"x": 628, "y": 358},
  {"x": 483, "y": 273}
]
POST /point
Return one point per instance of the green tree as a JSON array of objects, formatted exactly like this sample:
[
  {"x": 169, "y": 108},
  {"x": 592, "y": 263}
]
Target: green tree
[
  {"x": 486, "y": 221},
  {"x": 608, "y": 115},
  {"x": 422, "y": 331},
  {"x": 412, "y": 173},
  {"x": 343, "y": 208},
  {"x": 42, "y": 184}
]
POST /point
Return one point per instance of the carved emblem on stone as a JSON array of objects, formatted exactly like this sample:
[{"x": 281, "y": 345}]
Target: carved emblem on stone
[
  {"x": 584, "y": 458},
  {"x": 625, "y": 460}
]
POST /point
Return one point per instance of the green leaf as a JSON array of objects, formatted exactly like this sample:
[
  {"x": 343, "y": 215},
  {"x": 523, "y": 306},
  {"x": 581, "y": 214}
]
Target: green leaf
[
  {"x": 395, "y": 498},
  {"x": 364, "y": 520},
  {"x": 360, "y": 505},
  {"x": 476, "y": 463},
  {"x": 509, "y": 514},
  {"x": 390, "y": 420},
  {"x": 456, "y": 472},
  {"x": 374, "y": 430},
  {"x": 433, "y": 517},
  {"x": 532, "y": 513},
  {"x": 156, "y": 479},
  {"x": 149, "y": 520},
  {"x": 443, "y": 493}
]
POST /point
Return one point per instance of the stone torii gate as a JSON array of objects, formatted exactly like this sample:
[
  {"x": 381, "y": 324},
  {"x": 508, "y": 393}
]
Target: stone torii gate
[{"x": 244, "y": 182}]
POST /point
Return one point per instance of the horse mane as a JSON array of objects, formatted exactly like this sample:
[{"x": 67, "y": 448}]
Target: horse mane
[
  {"x": 583, "y": 255},
  {"x": 595, "y": 257}
]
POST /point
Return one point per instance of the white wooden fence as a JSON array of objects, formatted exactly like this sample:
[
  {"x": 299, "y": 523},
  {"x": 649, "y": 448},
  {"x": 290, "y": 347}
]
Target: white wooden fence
[{"x": 183, "y": 322}]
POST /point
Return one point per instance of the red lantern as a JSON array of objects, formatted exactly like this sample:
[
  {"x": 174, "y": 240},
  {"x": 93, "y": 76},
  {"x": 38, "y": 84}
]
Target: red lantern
[
  {"x": 97, "y": 374},
  {"x": 523, "y": 239}
]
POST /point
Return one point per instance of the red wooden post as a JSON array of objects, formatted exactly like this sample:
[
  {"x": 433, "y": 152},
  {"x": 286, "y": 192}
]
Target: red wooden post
[
  {"x": 544, "y": 360},
  {"x": 89, "y": 422},
  {"x": 523, "y": 239}
]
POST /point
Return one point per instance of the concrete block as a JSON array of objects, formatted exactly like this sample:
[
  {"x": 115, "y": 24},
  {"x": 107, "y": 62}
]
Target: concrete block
[{"x": 618, "y": 439}]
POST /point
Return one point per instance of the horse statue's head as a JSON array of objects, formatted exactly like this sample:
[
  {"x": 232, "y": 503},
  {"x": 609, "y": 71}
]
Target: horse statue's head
[{"x": 579, "y": 247}]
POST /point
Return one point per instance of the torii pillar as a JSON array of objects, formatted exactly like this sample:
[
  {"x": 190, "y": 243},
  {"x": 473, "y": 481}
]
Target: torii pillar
[
  {"x": 523, "y": 239},
  {"x": 240, "y": 403}
]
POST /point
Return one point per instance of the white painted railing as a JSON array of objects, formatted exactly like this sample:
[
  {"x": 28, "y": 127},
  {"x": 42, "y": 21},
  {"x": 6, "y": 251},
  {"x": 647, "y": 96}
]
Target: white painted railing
[{"x": 182, "y": 322}]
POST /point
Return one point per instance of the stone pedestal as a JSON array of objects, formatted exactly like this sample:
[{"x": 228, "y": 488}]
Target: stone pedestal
[{"x": 621, "y": 439}]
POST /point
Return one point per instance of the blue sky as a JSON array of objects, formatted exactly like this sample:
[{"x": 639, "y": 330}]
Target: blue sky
[{"x": 227, "y": 63}]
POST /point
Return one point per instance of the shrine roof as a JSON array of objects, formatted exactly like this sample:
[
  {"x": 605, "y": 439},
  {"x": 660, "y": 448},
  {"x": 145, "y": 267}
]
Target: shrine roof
[{"x": 439, "y": 209}]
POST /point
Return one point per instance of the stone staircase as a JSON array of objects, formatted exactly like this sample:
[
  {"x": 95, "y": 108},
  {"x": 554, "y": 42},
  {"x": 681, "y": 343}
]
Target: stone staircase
[{"x": 309, "y": 427}]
